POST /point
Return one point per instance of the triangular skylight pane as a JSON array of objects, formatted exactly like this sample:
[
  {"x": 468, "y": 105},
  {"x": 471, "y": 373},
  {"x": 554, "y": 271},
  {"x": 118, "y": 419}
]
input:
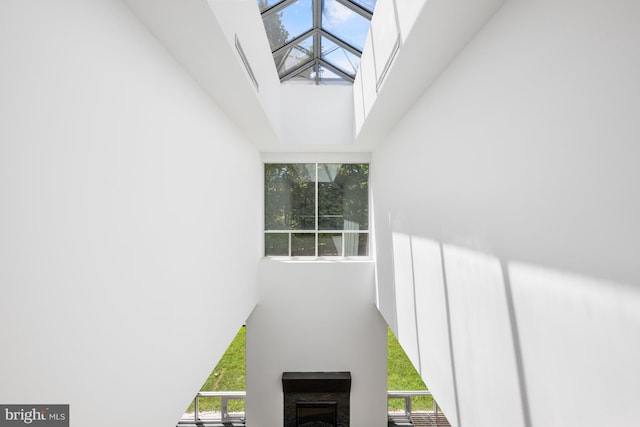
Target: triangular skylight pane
[
  {"x": 344, "y": 23},
  {"x": 292, "y": 57},
  {"x": 289, "y": 23},
  {"x": 308, "y": 75},
  {"x": 367, "y": 4},
  {"x": 339, "y": 57},
  {"x": 325, "y": 75}
]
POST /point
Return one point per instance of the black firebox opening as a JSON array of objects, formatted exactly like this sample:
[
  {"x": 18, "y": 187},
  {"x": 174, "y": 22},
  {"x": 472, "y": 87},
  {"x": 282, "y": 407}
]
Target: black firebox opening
[
  {"x": 316, "y": 399},
  {"x": 316, "y": 414}
]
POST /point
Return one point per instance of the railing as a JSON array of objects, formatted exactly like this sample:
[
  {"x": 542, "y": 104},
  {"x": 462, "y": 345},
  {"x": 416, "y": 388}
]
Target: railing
[
  {"x": 407, "y": 395},
  {"x": 225, "y": 396}
]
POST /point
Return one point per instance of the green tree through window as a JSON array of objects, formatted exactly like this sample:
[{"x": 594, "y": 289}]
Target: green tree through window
[
  {"x": 316, "y": 209},
  {"x": 276, "y": 33}
]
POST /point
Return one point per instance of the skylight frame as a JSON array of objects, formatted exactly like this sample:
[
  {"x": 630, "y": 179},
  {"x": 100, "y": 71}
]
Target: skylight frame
[{"x": 317, "y": 32}]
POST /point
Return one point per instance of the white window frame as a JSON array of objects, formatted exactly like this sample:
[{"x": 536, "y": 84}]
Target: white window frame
[{"x": 295, "y": 158}]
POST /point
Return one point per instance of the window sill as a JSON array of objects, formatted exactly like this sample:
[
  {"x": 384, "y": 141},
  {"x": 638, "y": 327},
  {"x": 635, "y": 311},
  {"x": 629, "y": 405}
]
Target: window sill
[{"x": 311, "y": 259}]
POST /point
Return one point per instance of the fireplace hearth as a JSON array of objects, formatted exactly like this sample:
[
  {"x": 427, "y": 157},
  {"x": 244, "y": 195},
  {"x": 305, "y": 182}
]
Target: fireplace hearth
[{"x": 316, "y": 399}]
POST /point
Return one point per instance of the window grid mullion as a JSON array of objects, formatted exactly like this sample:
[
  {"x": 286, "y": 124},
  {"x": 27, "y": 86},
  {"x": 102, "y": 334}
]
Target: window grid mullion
[
  {"x": 317, "y": 210},
  {"x": 312, "y": 231},
  {"x": 342, "y": 232}
]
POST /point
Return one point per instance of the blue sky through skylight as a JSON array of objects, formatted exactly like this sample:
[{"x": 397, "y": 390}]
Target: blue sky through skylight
[
  {"x": 298, "y": 17},
  {"x": 345, "y": 23}
]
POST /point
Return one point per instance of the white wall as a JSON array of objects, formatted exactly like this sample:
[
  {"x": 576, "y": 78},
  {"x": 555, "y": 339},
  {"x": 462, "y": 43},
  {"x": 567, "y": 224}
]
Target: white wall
[
  {"x": 130, "y": 220},
  {"x": 200, "y": 34},
  {"x": 316, "y": 316},
  {"x": 315, "y": 116},
  {"x": 506, "y": 205},
  {"x": 410, "y": 43},
  {"x": 242, "y": 18}
]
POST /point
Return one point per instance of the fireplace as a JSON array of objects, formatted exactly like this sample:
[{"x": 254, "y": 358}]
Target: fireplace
[
  {"x": 316, "y": 399},
  {"x": 317, "y": 414}
]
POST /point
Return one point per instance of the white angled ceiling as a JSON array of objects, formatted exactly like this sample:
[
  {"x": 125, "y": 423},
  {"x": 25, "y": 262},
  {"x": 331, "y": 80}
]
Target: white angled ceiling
[{"x": 201, "y": 36}]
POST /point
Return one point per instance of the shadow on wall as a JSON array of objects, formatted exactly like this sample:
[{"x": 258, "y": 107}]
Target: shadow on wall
[{"x": 508, "y": 341}]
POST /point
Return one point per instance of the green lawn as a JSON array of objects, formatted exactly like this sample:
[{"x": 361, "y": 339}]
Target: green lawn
[
  {"x": 229, "y": 375},
  {"x": 401, "y": 375}
]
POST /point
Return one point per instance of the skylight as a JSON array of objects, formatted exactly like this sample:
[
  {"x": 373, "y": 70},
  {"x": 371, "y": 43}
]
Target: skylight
[{"x": 318, "y": 41}]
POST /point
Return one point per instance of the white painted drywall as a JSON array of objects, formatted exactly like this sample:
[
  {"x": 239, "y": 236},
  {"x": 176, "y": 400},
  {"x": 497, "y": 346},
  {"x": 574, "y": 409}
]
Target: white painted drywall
[
  {"x": 130, "y": 218},
  {"x": 519, "y": 164},
  {"x": 242, "y": 19},
  {"x": 316, "y": 316},
  {"x": 314, "y": 117},
  {"x": 200, "y": 34},
  {"x": 414, "y": 40},
  {"x": 579, "y": 340}
]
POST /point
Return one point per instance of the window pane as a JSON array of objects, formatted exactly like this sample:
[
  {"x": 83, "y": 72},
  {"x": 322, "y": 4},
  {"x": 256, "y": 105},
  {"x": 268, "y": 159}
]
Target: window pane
[
  {"x": 355, "y": 244},
  {"x": 345, "y": 24},
  {"x": 286, "y": 25},
  {"x": 306, "y": 76},
  {"x": 339, "y": 57},
  {"x": 343, "y": 196},
  {"x": 328, "y": 76},
  {"x": 303, "y": 244},
  {"x": 289, "y": 195},
  {"x": 291, "y": 57},
  {"x": 324, "y": 75},
  {"x": 329, "y": 244},
  {"x": 276, "y": 244}
]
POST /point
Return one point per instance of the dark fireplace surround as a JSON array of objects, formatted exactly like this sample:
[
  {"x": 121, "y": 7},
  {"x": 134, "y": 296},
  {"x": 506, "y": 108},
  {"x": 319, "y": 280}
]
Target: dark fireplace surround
[{"x": 316, "y": 399}]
